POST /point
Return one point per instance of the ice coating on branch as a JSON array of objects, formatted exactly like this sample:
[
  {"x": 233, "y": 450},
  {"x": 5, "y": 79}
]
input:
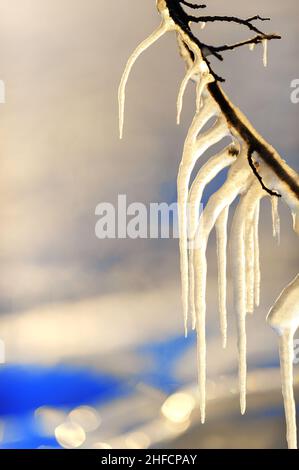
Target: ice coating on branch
[{"x": 284, "y": 319}]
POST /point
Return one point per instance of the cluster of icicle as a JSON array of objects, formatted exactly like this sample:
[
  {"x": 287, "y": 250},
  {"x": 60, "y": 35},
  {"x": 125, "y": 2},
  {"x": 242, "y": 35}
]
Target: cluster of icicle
[{"x": 196, "y": 226}]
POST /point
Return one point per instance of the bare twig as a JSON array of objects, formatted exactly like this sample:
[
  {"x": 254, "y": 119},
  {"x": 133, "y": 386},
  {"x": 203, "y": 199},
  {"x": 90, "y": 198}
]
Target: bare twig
[
  {"x": 183, "y": 20},
  {"x": 256, "y": 40},
  {"x": 254, "y": 168},
  {"x": 230, "y": 19},
  {"x": 192, "y": 5}
]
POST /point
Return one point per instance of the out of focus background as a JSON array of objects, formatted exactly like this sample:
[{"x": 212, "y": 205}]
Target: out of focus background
[{"x": 92, "y": 329}]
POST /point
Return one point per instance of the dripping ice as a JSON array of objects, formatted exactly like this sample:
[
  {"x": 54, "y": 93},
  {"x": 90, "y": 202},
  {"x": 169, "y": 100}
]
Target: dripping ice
[
  {"x": 284, "y": 319},
  {"x": 195, "y": 227}
]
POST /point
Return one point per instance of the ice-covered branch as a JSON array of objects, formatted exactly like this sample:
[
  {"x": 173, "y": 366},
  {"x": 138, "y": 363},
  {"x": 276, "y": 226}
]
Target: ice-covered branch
[
  {"x": 256, "y": 170},
  {"x": 183, "y": 20}
]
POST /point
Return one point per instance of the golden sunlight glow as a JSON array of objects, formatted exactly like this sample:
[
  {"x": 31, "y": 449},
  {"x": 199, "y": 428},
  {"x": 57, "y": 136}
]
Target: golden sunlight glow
[
  {"x": 137, "y": 440},
  {"x": 87, "y": 417},
  {"x": 178, "y": 407},
  {"x": 70, "y": 435}
]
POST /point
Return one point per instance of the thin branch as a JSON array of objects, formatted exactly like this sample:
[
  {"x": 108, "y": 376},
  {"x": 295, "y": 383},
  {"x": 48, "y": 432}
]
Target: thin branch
[
  {"x": 234, "y": 117},
  {"x": 230, "y": 19},
  {"x": 206, "y": 50},
  {"x": 256, "y": 40},
  {"x": 192, "y": 5},
  {"x": 258, "y": 17},
  {"x": 254, "y": 168},
  {"x": 183, "y": 20}
]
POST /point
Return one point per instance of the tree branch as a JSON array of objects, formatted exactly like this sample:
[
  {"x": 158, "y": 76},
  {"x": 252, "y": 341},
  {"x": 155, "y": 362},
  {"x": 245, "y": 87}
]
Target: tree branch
[
  {"x": 255, "y": 142},
  {"x": 192, "y": 5},
  {"x": 230, "y": 19},
  {"x": 256, "y": 40},
  {"x": 235, "y": 119},
  {"x": 183, "y": 20},
  {"x": 254, "y": 168}
]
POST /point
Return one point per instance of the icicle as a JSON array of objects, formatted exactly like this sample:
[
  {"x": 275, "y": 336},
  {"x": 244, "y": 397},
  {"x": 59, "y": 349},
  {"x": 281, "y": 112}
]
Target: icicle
[
  {"x": 265, "y": 54},
  {"x": 205, "y": 79},
  {"x": 181, "y": 94},
  {"x": 257, "y": 269},
  {"x": 183, "y": 185},
  {"x": 155, "y": 36},
  {"x": 205, "y": 175},
  {"x": 273, "y": 181},
  {"x": 286, "y": 354},
  {"x": 238, "y": 258},
  {"x": 200, "y": 64},
  {"x": 284, "y": 319},
  {"x": 184, "y": 52},
  {"x": 221, "y": 233},
  {"x": 192, "y": 151},
  {"x": 251, "y": 47},
  {"x": 275, "y": 219},
  {"x": 200, "y": 275},
  {"x": 249, "y": 244},
  {"x": 201, "y": 70},
  {"x": 209, "y": 171},
  {"x": 211, "y": 137},
  {"x": 203, "y": 24},
  {"x": 246, "y": 206},
  {"x": 295, "y": 217},
  {"x": 237, "y": 180},
  {"x": 252, "y": 252}
]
